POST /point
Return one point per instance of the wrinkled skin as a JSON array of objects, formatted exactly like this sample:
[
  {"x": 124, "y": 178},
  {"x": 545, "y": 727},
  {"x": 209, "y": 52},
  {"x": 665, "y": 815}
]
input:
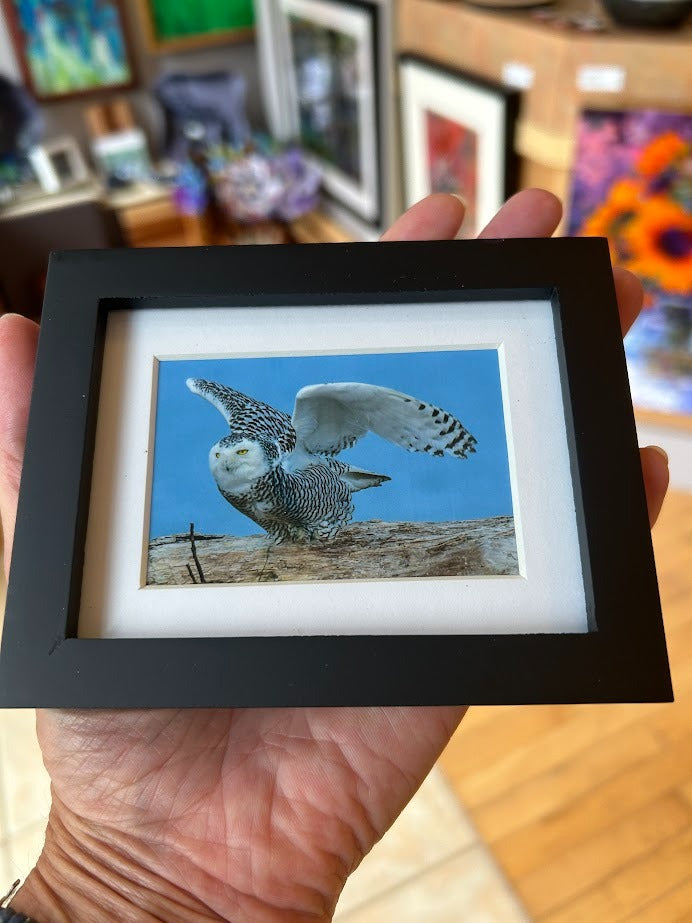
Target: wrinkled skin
[{"x": 234, "y": 814}]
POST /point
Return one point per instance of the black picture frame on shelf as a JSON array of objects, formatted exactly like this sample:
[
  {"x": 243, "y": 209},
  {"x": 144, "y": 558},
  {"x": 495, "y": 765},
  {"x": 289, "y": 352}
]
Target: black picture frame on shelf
[
  {"x": 579, "y": 620},
  {"x": 457, "y": 136}
]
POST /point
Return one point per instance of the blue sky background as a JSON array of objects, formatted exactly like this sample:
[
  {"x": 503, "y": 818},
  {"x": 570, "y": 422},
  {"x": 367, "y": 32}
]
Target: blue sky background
[{"x": 423, "y": 488}]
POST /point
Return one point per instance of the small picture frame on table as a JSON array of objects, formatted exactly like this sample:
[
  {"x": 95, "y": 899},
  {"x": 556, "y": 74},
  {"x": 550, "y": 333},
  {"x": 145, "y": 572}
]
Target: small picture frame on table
[
  {"x": 59, "y": 164},
  {"x": 458, "y": 137},
  {"x": 343, "y": 474}
]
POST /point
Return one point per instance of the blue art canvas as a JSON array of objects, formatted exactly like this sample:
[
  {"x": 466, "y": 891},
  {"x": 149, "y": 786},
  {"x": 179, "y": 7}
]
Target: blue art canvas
[
  {"x": 70, "y": 46},
  {"x": 355, "y": 466}
]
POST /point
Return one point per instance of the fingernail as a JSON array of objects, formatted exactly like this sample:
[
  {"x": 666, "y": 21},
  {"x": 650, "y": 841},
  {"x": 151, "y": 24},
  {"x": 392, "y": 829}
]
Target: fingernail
[
  {"x": 661, "y": 452},
  {"x": 458, "y": 195}
]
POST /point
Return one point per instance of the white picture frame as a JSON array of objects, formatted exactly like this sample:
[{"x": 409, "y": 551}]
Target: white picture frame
[
  {"x": 366, "y": 204},
  {"x": 59, "y": 164},
  {"x": 442, "y": 106}
]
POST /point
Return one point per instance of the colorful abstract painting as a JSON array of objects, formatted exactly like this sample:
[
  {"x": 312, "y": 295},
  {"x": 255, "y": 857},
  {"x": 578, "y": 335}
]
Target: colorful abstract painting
[
  {"x": 632, "y": 183},
  {"x": 70, "y": 46},
  {"x": 452, "y": 162}
]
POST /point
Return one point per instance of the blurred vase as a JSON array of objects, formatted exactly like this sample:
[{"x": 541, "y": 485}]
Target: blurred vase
[{"x": 649, "y": 14}]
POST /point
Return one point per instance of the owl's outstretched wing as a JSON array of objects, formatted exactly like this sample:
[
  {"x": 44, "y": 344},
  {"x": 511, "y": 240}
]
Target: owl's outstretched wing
[
  {"x": 246, "y": 415},
  {"x": 332, "y": 417}
]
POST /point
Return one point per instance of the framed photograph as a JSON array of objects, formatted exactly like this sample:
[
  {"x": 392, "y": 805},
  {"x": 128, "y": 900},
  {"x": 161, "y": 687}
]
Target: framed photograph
[
  {"x": 325, "y": 67},
  {"x": 457, "y": 136},
  {"x": 332, "y": 474},
  {"x": 178, "y": 25},
  {"x": 59, "y": 164},
  {"x": 70, "y": 48},
  {"x": 631, "y": 184}
]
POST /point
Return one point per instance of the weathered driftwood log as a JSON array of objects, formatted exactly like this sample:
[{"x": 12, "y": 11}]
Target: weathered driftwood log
[{"x": 364, "y": 550}]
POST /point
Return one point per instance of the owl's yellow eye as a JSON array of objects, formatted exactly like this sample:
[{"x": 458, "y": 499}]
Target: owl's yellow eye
[
  {"x": 241, "y": 452},
  {"x": 217, "y": 454}
]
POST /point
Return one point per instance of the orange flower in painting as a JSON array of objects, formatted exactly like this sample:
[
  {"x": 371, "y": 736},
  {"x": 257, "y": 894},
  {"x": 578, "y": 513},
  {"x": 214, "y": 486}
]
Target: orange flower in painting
[
  {"x": 660, "y": 154},
  {"x": 660, "y": 243},
  {"x": 609, "y": 219}
]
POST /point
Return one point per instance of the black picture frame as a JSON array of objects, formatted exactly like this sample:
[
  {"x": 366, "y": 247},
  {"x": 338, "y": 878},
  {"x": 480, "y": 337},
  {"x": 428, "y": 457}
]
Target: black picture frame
[
  {"x": 621, "y": 658},
  {"x": 485, "y": 96}
]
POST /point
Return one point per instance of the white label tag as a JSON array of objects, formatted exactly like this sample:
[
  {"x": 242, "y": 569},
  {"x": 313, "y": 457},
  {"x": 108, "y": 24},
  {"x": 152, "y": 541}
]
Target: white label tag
[
  {"x": 516, "y": 74},
  {"x": 601, "y": 78}
]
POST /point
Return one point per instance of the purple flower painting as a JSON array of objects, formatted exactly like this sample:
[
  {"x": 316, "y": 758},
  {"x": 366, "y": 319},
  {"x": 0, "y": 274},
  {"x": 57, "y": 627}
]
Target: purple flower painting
[{"x": 632, "y": 183}]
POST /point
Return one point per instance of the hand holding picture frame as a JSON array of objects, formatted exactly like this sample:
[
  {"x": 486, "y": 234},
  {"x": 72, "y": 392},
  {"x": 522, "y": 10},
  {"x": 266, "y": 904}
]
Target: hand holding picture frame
[{"x": 573, "y": 617}]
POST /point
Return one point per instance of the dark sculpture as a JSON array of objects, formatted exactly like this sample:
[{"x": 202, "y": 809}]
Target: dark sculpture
[
  {"x": 21, "y": 125},
  {"x": 202, "y": 108}
]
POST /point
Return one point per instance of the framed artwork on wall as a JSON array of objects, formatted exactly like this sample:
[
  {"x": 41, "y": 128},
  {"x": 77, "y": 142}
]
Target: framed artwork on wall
[
  {"x": 178, "y": 25},
  {"x": 425, "y": 488},
  {"x": 71, "y": 48},
  {"x": 325, "y": 69},
  {"x": 457, "y": 136},
  {"x": 631, "y": 183}
]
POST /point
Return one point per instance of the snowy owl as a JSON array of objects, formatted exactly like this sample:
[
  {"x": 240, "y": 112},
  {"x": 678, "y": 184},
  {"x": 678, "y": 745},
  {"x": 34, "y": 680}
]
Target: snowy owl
[{"x": 281, "y": 471}]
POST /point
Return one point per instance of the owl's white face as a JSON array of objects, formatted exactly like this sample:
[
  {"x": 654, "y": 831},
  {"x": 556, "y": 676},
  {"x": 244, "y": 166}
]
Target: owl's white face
[{"x": 236, "y": 467}]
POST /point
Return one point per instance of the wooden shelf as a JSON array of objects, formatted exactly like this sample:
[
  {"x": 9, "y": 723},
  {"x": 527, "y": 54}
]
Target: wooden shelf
[
  {"x": 656, "y": 69},
  {"x": 317, "y": 228}
]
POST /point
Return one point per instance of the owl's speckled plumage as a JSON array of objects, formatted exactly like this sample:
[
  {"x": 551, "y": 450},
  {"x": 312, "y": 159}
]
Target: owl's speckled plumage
[{"x": 280, "y": 471}]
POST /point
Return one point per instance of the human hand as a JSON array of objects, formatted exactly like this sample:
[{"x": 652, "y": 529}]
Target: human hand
[{"x": 237, "y": 814}]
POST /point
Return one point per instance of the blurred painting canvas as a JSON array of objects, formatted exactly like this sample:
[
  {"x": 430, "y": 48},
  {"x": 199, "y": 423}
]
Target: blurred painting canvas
[{"x": 632, "y": 183}]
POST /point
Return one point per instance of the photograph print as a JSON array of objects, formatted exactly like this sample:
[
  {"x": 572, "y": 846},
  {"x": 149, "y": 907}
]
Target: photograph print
[{"x": 310, "y": 468}]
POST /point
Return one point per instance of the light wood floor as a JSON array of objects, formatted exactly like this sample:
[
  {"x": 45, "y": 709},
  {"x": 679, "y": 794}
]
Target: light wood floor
[{"x": 588, "y": 809}]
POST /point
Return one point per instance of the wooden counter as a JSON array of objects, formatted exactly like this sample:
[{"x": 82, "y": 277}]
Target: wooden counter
[{"x": 641, "y": 68}]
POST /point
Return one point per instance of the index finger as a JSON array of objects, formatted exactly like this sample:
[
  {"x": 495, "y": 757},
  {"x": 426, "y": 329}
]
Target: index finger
[{"x": 530, "y": 213}]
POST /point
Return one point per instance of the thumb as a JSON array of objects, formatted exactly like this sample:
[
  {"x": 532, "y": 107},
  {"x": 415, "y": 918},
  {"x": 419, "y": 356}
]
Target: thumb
[
  {"x": 656, "y": 478},
  {"x": 18, "y": 341}
]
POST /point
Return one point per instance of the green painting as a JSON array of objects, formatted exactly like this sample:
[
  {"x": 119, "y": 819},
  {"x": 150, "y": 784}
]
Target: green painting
[
  {"x": 70, "y": 46},
  {"x": 180, "y": 19}
]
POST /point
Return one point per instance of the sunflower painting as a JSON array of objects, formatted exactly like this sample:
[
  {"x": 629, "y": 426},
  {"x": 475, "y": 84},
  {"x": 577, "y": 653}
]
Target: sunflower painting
[{"x": 632, "y": 183}]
